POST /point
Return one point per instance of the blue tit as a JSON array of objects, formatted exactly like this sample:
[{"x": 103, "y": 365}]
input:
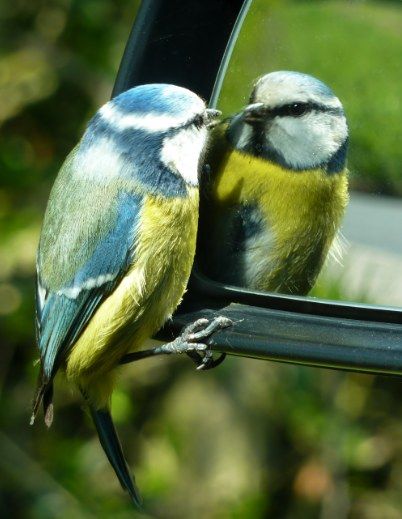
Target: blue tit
[
  {"x": 117, "y": 245},
  {"x": 278, "y": 186}
]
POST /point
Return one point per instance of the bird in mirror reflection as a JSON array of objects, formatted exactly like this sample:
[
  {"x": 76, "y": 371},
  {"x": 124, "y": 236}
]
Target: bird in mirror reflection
[{"x": 277, "y": 186}]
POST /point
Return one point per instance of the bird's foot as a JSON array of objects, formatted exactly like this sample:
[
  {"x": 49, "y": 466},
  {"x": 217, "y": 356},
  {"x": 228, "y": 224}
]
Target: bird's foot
[
  {"x": 187, "y": 342},
  {"x": 198, "y": 351},
  {"x": 201, "y": 329}
]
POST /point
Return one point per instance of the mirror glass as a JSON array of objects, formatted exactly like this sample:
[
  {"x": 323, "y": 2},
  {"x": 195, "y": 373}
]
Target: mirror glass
[{"x": 355, "y": 48}]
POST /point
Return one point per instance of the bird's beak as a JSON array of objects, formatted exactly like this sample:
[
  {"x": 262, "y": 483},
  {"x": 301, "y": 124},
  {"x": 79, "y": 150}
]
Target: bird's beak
[
  {"x": 255, "y": 113},
  {"x": 212, "y": 117}
]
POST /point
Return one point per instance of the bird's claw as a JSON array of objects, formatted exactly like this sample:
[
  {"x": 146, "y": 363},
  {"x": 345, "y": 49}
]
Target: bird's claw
[
  {"x": 208, "y": 361},
  {"x": 201, "y": 329},
  {"x": 199, "y": 352}
]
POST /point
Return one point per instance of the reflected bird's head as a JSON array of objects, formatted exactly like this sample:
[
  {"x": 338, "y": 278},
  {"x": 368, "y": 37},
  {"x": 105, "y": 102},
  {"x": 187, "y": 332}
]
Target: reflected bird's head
[
  {"x": 154, "y": 133},
  {"x": 294, "y": 120}
]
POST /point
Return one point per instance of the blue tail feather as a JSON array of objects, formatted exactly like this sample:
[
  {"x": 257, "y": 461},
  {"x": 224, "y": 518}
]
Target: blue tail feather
[{"x": 112, "y": 447}]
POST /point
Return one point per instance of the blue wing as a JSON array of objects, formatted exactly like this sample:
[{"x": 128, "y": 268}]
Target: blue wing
[{"x": 63, "y": 314}]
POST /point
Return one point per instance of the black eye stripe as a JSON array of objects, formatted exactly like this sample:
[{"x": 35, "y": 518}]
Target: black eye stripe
[
  {"x": 198, "y": 121},
  {"x": 292, "y": 110},
  {"x": 299, "y": 109}
]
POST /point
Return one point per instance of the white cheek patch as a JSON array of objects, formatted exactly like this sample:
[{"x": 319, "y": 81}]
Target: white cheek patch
[
  {"x": 181, "y": 153},
  {"x": 309, "y": 141},
  {"x": 100, "y": 162},
  {"x": 339, "y": 129}
]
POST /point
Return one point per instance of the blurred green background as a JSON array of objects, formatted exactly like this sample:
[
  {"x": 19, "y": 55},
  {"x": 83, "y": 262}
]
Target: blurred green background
[{"x": 251, "y": 439}]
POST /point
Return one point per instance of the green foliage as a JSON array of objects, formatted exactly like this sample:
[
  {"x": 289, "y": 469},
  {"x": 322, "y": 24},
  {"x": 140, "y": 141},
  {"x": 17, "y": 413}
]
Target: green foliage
[{"x": 251, "y": 439}]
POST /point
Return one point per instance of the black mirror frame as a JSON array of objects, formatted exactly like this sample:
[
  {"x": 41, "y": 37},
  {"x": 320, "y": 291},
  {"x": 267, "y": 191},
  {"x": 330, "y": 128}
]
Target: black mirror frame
[{"x": 189, "y": 44}]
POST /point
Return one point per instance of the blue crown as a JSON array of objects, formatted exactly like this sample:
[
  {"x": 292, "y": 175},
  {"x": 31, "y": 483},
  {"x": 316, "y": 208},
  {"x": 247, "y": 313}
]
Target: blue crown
[
  {"x": 312, "y": 84},
  {"x": 157, "y": 99}
]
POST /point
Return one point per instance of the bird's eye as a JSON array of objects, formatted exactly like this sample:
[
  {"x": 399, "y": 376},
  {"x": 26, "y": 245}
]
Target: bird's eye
[
  {"x": 198, "y": 121},
  {"x": 293, "y": 109}
]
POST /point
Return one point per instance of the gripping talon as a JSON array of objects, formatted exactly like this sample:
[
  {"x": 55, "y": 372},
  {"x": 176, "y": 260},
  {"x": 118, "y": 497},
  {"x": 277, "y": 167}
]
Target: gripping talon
[
  {"x": 198, "y": 352},
  {"x": 219, "y": 323},
  {"x": 194, "y": 327},
  {"x": 180, "y": 346},
  {"x": 208, "y": 362}
]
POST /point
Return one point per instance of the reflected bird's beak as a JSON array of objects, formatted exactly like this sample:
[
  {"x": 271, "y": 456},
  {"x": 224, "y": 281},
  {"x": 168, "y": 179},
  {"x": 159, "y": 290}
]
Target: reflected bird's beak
[{"x": 255, "y": 113}]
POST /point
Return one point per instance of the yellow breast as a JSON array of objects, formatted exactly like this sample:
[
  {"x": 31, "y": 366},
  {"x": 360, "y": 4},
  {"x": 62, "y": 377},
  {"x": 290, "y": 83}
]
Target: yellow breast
[
  {"x": 286, "y": 198},
  {"x": 302, "y": 210},
  {"x": 148, "y": 294}
]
